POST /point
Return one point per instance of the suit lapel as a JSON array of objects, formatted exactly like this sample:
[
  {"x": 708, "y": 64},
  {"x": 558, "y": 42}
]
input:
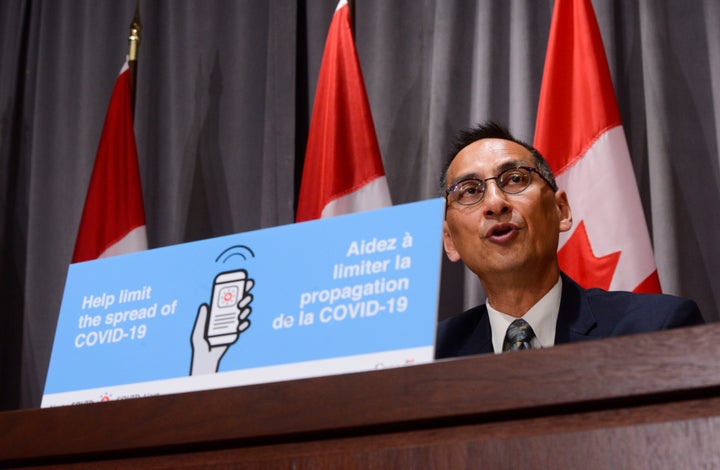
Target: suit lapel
[
  {"x": 480, "y": 342},
  {"x": 576, "y": 320}
]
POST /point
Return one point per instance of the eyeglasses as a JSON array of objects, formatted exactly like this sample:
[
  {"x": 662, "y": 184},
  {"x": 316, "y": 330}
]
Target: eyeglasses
[{"x": 511, "y": 181}]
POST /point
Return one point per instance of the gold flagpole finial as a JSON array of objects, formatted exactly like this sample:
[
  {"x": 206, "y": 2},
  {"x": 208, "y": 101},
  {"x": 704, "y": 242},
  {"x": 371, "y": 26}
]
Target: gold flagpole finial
[
  {"x": 134, "y": 38},
  {"x": 134, "y": 46}
]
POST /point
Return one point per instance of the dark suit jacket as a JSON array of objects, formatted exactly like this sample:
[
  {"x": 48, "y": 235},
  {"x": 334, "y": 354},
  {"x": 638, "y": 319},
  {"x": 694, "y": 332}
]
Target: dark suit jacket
[{"x": 584, "y": 314}]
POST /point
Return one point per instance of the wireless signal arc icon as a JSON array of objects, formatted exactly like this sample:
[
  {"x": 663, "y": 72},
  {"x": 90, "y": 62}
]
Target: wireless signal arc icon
[{"x": 236, "y": 250}]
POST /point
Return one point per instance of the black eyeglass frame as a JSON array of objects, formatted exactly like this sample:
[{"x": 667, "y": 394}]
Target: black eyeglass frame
[{"x": 482, "y": 185}]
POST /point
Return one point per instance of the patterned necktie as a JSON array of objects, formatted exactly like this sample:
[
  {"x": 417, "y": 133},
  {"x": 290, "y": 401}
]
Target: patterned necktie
[{"x": 518, "y": 336}]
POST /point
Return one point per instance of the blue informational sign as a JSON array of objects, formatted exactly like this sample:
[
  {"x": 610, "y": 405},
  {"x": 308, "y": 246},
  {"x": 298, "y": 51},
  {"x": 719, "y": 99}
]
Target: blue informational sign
[{"x": 349, "y": 293}]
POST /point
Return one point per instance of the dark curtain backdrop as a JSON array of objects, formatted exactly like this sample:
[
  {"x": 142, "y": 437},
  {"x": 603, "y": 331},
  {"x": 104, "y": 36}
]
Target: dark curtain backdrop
[{"x": 224, "y": 94}]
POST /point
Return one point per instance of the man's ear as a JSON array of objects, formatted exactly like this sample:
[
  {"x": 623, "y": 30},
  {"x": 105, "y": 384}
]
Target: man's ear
[
  {"x": 561, "y": 200},
  {"x": 448, "y": 244}
]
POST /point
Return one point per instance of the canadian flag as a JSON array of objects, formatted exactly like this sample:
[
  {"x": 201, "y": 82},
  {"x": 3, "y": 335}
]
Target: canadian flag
[
  {"x": 343, "y": 170},
  {"x": 580, "y": 132},
  {"x": 113, "y": 220}
]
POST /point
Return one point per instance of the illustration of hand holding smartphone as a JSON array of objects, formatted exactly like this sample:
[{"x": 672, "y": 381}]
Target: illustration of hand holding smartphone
[
  {"x": 228, "y": 289},
  {"x": 215, "y": 330}
]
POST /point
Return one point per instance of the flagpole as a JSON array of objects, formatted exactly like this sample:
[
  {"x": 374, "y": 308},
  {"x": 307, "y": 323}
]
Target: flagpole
[{"x": 133, "y": 47}]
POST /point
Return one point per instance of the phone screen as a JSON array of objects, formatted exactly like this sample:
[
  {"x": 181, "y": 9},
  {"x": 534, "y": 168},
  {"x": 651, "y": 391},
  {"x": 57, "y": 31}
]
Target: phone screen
[{"x": 228, "y": 290}]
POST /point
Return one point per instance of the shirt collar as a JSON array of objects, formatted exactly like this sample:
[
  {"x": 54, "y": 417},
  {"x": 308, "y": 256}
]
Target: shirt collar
[{"x": 542, "y": 317}]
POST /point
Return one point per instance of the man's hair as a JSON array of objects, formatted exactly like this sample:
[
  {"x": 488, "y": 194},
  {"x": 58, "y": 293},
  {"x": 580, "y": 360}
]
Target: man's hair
[{"x": 492, "y": 130}]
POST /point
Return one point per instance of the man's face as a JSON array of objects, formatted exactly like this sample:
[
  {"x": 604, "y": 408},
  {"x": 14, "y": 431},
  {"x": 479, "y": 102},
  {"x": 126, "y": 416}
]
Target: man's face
[{"x": 504, "y": 233}]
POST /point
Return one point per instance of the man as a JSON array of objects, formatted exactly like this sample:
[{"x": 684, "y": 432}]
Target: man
[{"x": 503, "y": 218}]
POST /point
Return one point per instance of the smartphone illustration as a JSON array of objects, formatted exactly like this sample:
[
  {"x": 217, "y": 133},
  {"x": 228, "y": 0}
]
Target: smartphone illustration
[{"x": 228, "y": 290}]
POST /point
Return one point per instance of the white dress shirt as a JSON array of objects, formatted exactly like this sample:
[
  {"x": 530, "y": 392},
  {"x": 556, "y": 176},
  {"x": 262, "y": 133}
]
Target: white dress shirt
[{"x": 542, "y": 317}]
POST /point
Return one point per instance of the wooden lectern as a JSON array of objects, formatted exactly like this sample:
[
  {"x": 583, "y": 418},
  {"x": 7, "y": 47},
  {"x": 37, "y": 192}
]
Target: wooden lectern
[{"x": 642, "y": 401}]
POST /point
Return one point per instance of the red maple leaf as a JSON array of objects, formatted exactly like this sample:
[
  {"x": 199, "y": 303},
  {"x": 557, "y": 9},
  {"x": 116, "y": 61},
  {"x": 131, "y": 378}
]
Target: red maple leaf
[{"x": 578, "y": 261}]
